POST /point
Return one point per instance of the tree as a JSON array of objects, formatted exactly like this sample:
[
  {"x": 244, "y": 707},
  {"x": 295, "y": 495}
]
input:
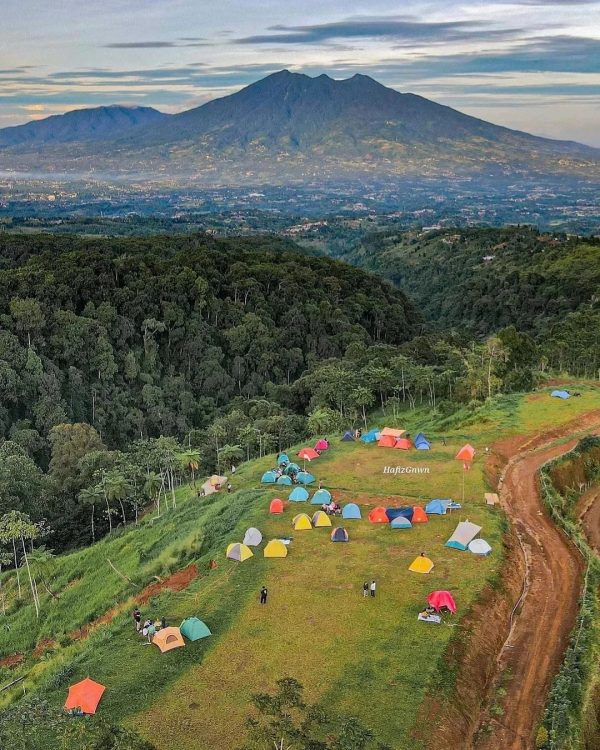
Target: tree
[
  {"x": 362, "y": 398},
  {"x": 190, "y": 461},
  {"x": 117, "y": 488},
  {"x": 70, "y": 443},
  {"x": 90, "y": 496},
  {"x": 28, "y": 316},
  {"x": 229, "y": 454},
  {"x": 5, "y": 559},
  {"x": 16, "y": 526}
]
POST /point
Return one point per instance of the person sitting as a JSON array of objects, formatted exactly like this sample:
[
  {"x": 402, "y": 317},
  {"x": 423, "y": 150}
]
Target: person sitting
[
  {"x": 147, "y": 624},
  {"x": 325, "y": 508}
]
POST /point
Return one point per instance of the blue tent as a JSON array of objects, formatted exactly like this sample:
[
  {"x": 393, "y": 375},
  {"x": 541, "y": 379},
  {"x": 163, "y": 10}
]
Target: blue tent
[
  {"x": 283, "y": 459},
  {"x": 421, "y": 442},
  {"x": 351, "y": 510},
  {"x": 347, "y": 437},
  {"x": 320, "y": 497},
  {"x": 298, "y": 495},
  {"x": 437, "y": 507},
  {"x": 405, "y": 512},
  {"x": 561, "y": 394},
  {"x": 372, "y": 436},
  {"x": 269, "y": 477},
  {"x": 401, "y": 522},
  {"x": 284, "y": 480},
  {"x": 304, "y": 477}
]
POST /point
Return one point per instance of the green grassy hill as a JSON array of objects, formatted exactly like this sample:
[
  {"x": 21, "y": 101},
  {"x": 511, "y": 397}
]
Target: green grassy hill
[{"x": 369, "y": 658}]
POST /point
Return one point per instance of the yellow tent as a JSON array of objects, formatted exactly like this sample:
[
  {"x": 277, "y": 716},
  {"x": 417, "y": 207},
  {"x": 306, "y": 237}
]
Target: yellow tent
[
  {"x": 167, "y": 639},
  {"x": 301, "y": 522},
  {"x": 239, "y": 552},
  {"x": 421, "y": 564},
  {"x": 275, "y": 548},
  {"x": 321, "y": 519}
]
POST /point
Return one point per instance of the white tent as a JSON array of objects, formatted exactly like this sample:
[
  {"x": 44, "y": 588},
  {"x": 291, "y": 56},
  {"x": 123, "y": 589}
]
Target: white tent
[
  {"x": 252, "y": 537},
  {"x": 479, "y": 547},
  {"x": 463, "y": 534}
]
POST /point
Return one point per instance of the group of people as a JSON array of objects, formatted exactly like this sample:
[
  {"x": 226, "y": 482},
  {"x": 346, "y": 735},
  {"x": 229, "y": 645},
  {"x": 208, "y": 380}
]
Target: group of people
[
  {"x": 332, "y": 508},
  {"x": 148, "y": 629},
  {"x": 369, "y": 588}
]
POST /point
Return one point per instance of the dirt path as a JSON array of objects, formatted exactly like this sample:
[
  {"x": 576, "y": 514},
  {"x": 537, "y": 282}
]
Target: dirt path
[
  {"x": 589, "y": 517},
  {"x": 548, "y": 606}
]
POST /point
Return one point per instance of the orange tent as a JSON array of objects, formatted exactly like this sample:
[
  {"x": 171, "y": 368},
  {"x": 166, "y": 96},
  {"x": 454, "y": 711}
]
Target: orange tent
[
  {"x": 378, "y": 515},
  {"x": 466, "y": 453},
  {"x": 85, "y": 695},
  {"x": 167, "y": 639},
  {"x": 387, "y": 441},
  {"x": 419, "y": 515},
  {"x": 390, "y": 431},
  {"x": 308, "y": 453},
  {"x": 276, "y": 506},
  {"x": 404, "y": 444}
]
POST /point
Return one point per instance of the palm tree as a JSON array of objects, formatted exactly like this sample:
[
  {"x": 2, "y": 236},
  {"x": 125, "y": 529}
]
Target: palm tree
[
  {"x": 117, "y": 488},
  {"x": 190, "y": 461},
  {"x": 41, "y": 560},
  {"x": 153, "y": 487},
  {"x": 16, "y": 526},
  {"x": 91, "y": 496},
  {"x": 5, "y": 559},
  {"x": 229, "y": 454}
]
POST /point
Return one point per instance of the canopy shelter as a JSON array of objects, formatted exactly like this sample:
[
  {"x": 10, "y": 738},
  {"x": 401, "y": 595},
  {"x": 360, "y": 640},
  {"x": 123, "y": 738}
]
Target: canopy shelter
[
  {"x": 276, "y": 506},
  {"x": 284, "y": 479},
  {"x": 347, "y": 437},
  {"x": 437, "y": 507},
  {"x": 419, "y": 515},
  {"x": 378, "y": 515},
  {"x": 239, "y": 552},
  {"x": 302, "y": 522},
  {"x": 252, "y": 537},
  {"x": 466, "y": 453},
  {"x": 351, "y": 510},
  {"x": 403, "y": 444},
  {"x": 406, "y": 512},
  {"x": 291, "y": 469},
  {"x": 320, "y": 519},
  {"x": 371, "y": 437},
  {"x": 269, "y": 477},
  {"x": 304, "y": 477},
  {"x": 401, "y": 522},
  {"x": 167, "y": 639},
  {"x": 560, "y": 394},
  {"x": 194, "y": 629},
  {"x": 339, "y": 534},
  {"x": 479, "y": 547},
  {"x": 421, "y": 442},
  {"x": 213, "y": 484},
  {"x": 491, "y": 498},
  {"x": 308, "y": 454},
  {"x": 322, "y": 445},
  {"x": 320, "y": 497},
  {"x": 440, "y": 599},
  {"x": 392, "y": 432},
  {"x": 386, "y": 441},
  {"x": 298, "y": 495},
  {"x": 275, "y": 548},
  {"x": 283, "y": 458},
  {"x": 464, "y": 533},
  {"x": 85, "y": 695},
  {"x": 421, "y": 564}
]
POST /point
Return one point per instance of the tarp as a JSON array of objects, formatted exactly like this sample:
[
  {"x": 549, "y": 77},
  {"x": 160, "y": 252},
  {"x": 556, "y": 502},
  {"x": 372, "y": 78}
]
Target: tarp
[
  {"x": 283, "y": 479},
  {"x": 320, "y": 497},
  {"x": 282, "y": 459},
  {"x": 351, "y": 510},
  {"x": 419, "y": 515},
  {"x": 252, "y": 537},
  {"x": 290, "y": 469},
  {"x": 401, "y": 522},
  {"x": 320, "y": 519},
  {"x": 275, "y": 548},
  {"x": 194, "y": 629},
  {"x": 437, "y": 507},
  {"x": 302, "y": 522},
  {"x": 339, "y": 534},
  {"x": 308, "y": 453},
  {"x": 466, "y": 453},
  {"x": 386, "y": 441},
  {"x": 421, "y": 442},
  {"x": 403, "y": 444},
  {"x": 322, "y": 445},
  {"x": 377, "y": 515},
  {"x": 304, "y": 477},
  {"x": 463, "y": 534},
  {"x": 239, "y": 552},
  {"x": 269, "y": 477},
  {"x": 347, "y": 437},
  {"x": 421, "y": 564},
  {"x": 298, "y": 495},
  {"x": 440, "y": 599},
  {"x": 479, "y": 547},
  {"x": 217, "y": 481},
  {"x": 208, "y": 488},
  {"x": 276, "y": 506},
  {"x": 167, "y": 639},
  {"x": 392, "y": 432},
  {"x": 84, "y": 695},
  {"x": 405, "y": 512},
  {"x": 560, "y": 394}
]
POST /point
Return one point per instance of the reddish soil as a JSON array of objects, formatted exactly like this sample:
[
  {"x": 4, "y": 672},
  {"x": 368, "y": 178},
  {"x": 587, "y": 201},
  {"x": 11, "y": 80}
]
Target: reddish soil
[
  {"x": 11, "y": 661},
  {"x": 176, "y": 582},
  {"x": 589, "y": 516}
]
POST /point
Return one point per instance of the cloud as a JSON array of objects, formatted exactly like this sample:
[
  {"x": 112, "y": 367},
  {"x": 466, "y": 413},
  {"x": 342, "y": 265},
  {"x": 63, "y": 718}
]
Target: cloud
[{"x": 140, "y": 45}]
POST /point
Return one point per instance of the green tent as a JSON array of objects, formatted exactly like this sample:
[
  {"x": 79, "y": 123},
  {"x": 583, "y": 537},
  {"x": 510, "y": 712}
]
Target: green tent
[
  {"x": 291, "y": 469},
  {"x": 194, "y": 629}
]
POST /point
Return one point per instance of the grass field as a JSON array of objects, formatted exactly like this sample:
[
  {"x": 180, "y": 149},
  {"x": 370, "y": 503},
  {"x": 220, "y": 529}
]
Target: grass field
[{"x": 370, "y": 658}]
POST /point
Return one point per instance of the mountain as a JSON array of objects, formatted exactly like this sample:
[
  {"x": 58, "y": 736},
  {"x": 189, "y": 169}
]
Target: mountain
[
  {"x": 289, "y": 127},
  {"x": 97, "y": 123}
]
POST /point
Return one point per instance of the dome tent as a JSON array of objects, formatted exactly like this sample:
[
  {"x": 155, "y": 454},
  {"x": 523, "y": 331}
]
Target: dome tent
[
  {"x": 320, "y": 497},
  {"x": 479, "y": 547},
  {"x": 304, "y": 477},
  {"x": 320, "y": 519},
  {"x": 252, "y": 537},
  {"x": 239, "y": 552},
  {"x": 282, "y": 459},
  {"x": 347, "y": 437},
  {"x": 291, "y": 468},
  {"x": 322, "y": 445},
  {"x": 275, "y": 548},
  {"x": 378, "y": 515},
  {"x": 308, "y": 453},
  {"x": 421, "y": 442},
  {"x": 167, "y": 639},
  {"x": 276, "y": 506},
  {"x": 194, "y": 629},
  {"x": 421, "y": 564},
  {"x": 401, "y": 522},
  {"x": 298, "y": 495},
  {"x": 269, "y": 477},
  {"x": 302, "y": 522},
  {"x": 351, "y": 510},
  {"x": 284, "y": 479},
  {"x": 440, "y": 599},
  {"x": 339, "y": 534}
]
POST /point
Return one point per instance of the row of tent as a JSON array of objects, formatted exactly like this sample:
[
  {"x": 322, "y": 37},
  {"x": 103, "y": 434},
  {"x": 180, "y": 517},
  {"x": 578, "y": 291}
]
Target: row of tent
[
  {"x": 302, "y": 477},
  {"x": 390, "y": 437},
  {"x": 414, "y": 514},
  {"x": 300, "y": 495}
]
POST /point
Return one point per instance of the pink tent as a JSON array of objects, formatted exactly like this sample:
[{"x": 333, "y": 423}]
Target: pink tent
[
  {"x": 466, "y": 453},
  {"x": 440, "y": 599},
  {"x": 321, "y": 445}
]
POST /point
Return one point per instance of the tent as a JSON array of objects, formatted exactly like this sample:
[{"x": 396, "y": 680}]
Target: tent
[
  {"x": 320, "y": 497},
  {"x": 308, "y": 454},
  {"x": 213, "y": 484},
  {"x": 401, "y": 522},
  {"x": 167, "y": 639},
  {"x": 298, "y": 495},
  {"x": 387, "y": 441},
  {"x": 406, "y": 512},
  {"x": 491, "y": 498},
  {"x": 322, "y": 445},
  {"x": 208, "y": 488},
  {"x": 560, "y": 394},
  {"x": 320, "y": 519},
  {"x": 479, "y": 547},
  {"x": 377, "y": 515},
  {"x": 390, "y": 431},
  {"x": 304, "y": 477},
  {"x": 421, "y": 442},
  {"x": 347, "y": 437},
  {"x": 351, "y": 510},
  {"x": 421, "y": 564},
  {"x": 276, "y": 506},
  {"x": 371, "y": 437},
  {"x": 466, "y": 453},
  {"x": 440, "y": 599},
  {"x": 275, "y": 548},
  {"x": 302, "y": 522},
  {"x": 437, "y": 507},
  {"x": 252, "y": 537},
  {"x": 239, "y": 552},
  {"x": 194, "y": 629},
  {"x": 269, "y": 477},
  {"x": 283, "y": 458},
  {"x": 403, "y": 444},
  {"x": 339, "y": 534},
  {"x": 284, "y": 479},
  {"x": 85, "y": 695},
  {"x": 290, "y": 469},
  {"x": 419, "y": 515},
  {"x": 464, "y": 533}
]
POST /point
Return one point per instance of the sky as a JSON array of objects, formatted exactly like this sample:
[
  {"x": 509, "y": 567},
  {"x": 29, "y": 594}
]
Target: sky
[{"x": 526, "y": 64}]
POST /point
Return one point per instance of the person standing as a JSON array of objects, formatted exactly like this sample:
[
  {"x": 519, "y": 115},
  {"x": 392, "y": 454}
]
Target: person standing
[
  {"x": 137, "y": 618},
  {"x": 229, "y": 488},
  {"x": 373, "y": 587},
  {"x": 366, "y": 589},
  {"x": 263, "y": 595}
]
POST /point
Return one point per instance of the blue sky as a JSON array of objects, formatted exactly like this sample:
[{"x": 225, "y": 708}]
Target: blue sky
[{"x": 525, "y": 64}]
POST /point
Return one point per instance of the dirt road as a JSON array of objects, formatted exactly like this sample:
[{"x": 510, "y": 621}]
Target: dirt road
[{"x": 547, "y": 609}]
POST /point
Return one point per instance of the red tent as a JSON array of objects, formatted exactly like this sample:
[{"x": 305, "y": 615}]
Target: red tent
[
  {"x": 321, "y": 445},
  {"x": 404, "y": 444},
  {"x": 440, "y": 599},
  {"x": 308, "y": 453},
  {"x": 276, "y": 506},
  {"x": 378, "y": 515},
  {"x": 466, "y": 453},
  {"x": 419, "y": 515},
  {"x": 387, "y": 441},
  {"x": 85, "y": 695}
]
